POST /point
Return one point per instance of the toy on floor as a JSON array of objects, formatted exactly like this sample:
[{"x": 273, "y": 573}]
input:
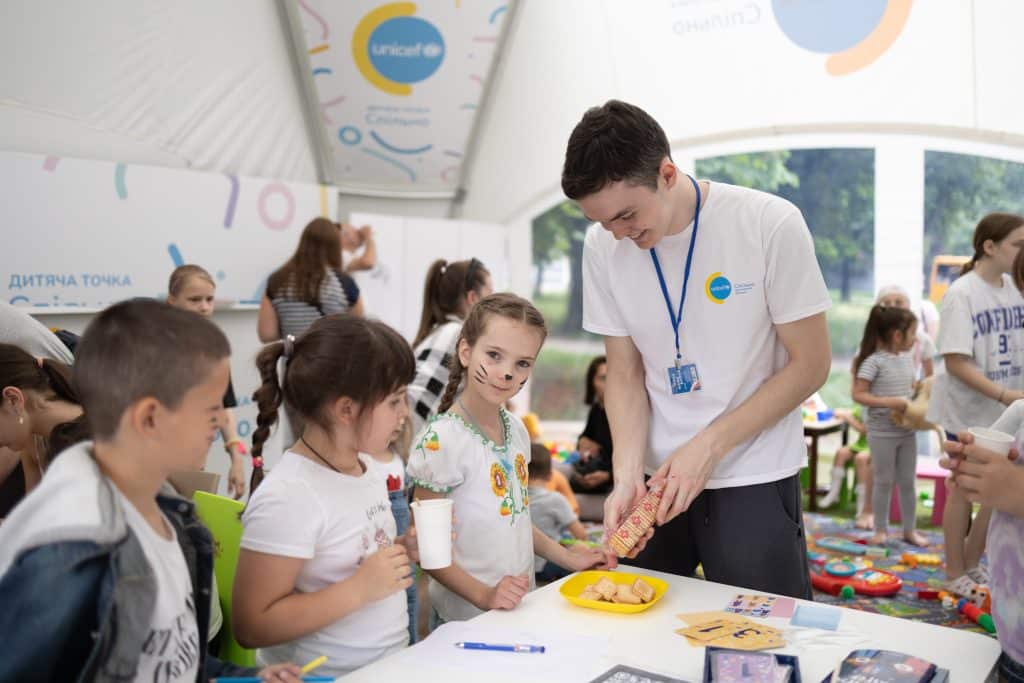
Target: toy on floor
[
  {"x": 980, "y": 598},
  {"x": 842, "y": 545},
  {"x": 914, "y": 559},
  {"x": 870, "y": 582},
  {"x": 982, "y": 619}
]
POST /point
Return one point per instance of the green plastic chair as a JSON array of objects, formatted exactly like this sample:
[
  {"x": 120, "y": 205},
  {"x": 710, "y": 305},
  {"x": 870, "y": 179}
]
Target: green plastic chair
[{"x": 221, "y": 517}]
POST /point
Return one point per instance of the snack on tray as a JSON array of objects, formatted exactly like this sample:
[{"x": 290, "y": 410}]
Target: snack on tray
[
  {"x": 606, "y": 588},
  {"x": 643, "y": 590},
  {"x": 625, "y": 595},
  {"x": 636, "y": 523},
  {"x": 607, "y": 591}
]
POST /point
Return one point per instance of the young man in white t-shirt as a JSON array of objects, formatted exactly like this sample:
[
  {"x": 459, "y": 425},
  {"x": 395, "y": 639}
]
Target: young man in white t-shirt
[{"x": 711, "y": 413}]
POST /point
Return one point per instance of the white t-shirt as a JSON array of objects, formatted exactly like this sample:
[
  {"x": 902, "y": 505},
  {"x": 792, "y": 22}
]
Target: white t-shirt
[
  {"x": 392, "y": 471},
  {"x": 923, "y": 349},
  {"x": 987, "y": 324},
  {"x": 753, "y": 268},
  {"x": 171, "y": 650},
  {"x": 333, "y": 521},
  {"x": 488, "y": 487}
]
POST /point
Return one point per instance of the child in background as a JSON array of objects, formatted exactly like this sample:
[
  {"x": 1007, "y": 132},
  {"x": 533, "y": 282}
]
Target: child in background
[
  {"x": 923, "y": 352},
  {"x": 322, "y": 569},
  {"x": 475, "y": 452},
  {"x": 192, "y": 288},
  {"x": 983, "y": 373},
  {"x": 450, "y": 291},
  {"x": 549, "y": 512},
  {"x": 390, "y": 463},
  {"x": 594, "y": 470},
  {"x": 997, "y": 482},
  {"x": 884, "y": 374},
  {"x": 860, "y": 454},
  {"x": 559, "y": 483},
  {"x": 101, "y": 563}
]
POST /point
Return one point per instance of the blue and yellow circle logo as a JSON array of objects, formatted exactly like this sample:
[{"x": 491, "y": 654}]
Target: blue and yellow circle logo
[
  {"x": 393, "y": 49},
  {"x": 718, "y": 288},
  {"x": 854, "y": 33}
]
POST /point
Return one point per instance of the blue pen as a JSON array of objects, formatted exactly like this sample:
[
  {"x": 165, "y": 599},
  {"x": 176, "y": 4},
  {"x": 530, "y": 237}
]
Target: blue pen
[
  {"x": 500, "y": 648},
  {"x": 252, "y": 679}
]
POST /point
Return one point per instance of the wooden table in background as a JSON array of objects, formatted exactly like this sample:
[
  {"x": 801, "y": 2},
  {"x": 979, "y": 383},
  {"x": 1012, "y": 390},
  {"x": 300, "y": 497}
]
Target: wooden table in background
[{"x": 814, "y": 430}]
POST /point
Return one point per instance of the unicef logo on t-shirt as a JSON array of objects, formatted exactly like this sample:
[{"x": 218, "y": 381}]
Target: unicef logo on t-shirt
[
  {"x": 406, "y": 49},
  {"x": 718, "y": 288}
]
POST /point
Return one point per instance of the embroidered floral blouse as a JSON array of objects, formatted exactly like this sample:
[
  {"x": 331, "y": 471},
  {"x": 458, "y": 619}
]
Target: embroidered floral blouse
[{"x": 488, "y": 485}]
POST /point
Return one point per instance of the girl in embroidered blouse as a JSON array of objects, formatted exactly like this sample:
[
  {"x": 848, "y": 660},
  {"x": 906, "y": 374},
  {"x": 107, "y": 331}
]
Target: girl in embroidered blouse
[{"x": 476, "y": 452}]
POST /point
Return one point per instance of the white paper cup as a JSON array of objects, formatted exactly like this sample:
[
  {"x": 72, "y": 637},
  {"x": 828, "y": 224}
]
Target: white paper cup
[
  {"x": 991, "y": 439},
  {"x": 433, "y": 520}
]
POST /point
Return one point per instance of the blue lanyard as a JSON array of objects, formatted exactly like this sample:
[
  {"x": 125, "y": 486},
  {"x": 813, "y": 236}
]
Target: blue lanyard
[{"x": 677, "y": 319}]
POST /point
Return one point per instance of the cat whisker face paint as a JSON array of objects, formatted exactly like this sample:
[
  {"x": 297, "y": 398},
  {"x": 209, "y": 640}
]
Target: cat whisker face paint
[{"x": 480, "y": 374}]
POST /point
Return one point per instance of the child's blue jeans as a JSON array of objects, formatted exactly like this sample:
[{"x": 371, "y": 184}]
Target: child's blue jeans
[{"x": 400, "y": 510}]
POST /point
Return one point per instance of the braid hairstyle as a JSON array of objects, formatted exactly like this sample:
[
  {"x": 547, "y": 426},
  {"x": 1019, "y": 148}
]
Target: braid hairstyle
[
  {"x": 365, "y": 360},
  {"x": 505, "y": 305},
  {"x": 268, "y": 399}
]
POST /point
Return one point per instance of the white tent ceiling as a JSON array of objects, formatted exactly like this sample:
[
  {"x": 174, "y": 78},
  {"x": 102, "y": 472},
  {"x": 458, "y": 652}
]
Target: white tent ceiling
[{"x": 223, "y": 85}]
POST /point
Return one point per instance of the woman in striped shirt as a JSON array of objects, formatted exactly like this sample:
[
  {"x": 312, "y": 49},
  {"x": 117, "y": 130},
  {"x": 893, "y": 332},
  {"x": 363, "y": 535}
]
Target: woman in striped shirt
[{"x": 310, "y": 285}]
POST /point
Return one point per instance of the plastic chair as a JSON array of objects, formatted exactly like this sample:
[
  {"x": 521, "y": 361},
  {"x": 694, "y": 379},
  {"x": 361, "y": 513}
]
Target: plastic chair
[{"x": 221, "y": 517}]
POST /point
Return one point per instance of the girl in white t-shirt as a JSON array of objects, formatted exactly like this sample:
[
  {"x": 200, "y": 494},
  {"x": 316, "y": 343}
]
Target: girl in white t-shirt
[
  {"x": 322, "y": 570},
  {"x": 981, "y": 340},
  {"x": 476, "y": 452}
]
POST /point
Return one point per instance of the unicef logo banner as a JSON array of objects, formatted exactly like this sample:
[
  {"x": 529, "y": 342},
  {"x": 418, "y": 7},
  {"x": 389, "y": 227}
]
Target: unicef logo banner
[
  {"x": 398, "y": 84},
  {"x": 406, "y": 49}
]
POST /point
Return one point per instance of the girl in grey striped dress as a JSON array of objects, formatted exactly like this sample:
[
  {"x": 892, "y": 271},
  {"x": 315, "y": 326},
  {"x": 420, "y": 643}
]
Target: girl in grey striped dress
[{"x": 883, "y": 382}]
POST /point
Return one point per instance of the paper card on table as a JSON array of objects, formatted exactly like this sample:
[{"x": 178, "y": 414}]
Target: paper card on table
[
  {"x": 738, "y": 667},
  {"x": 783, "y": 607},
  {"x": 694, "y": 618},
  {"x": 813, "y": 616},
  {"x": 710, "y": 630},
  {"x": 754, "y": 637},
  {"x": 752, "y": 605}
]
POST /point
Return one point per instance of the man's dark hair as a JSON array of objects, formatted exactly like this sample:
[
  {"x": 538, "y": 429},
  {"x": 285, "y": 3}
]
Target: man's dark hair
[{"x": 613, "y": 142}]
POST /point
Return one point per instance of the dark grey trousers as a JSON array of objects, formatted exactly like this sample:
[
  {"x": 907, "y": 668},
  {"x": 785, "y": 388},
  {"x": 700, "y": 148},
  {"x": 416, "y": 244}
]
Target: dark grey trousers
[{"x": 747, "y": 536}]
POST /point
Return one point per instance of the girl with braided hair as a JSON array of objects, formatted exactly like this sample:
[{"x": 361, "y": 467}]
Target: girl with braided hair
[
  {"x": 476, "y": 452},
  {"x": 322, "y": 569}
]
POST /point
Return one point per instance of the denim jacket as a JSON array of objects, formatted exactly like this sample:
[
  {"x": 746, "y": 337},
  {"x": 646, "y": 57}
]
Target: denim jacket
[{"x": 76, "y": 591}]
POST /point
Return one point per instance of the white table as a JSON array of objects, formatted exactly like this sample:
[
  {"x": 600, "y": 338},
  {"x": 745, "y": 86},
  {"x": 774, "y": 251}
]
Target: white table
[{"x": 648, "y": 640}]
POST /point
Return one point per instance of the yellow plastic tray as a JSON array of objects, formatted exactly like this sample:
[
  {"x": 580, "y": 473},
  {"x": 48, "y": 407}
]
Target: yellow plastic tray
[{"x": 575, "y": 584}]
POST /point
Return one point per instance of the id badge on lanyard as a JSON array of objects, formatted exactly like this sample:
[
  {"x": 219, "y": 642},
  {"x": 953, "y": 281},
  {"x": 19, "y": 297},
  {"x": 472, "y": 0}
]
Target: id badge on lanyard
[{"x": 683, "y": 377}]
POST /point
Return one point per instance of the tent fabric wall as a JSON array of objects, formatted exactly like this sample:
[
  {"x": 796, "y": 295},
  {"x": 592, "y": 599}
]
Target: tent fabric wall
[
  {"x": 205, "y": 84},
  {"x": 711, "y": 71}
]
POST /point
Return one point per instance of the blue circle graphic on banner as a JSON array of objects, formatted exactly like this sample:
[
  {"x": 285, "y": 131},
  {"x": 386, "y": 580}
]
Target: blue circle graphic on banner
[
  {"x": 828, "y": 26},
  {"x": 406, "y": 49}
]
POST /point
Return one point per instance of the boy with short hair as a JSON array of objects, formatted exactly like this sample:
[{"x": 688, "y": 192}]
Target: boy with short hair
[
  {"x": 105, "y": 574},
  {"x": 549, "y": 511}
]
